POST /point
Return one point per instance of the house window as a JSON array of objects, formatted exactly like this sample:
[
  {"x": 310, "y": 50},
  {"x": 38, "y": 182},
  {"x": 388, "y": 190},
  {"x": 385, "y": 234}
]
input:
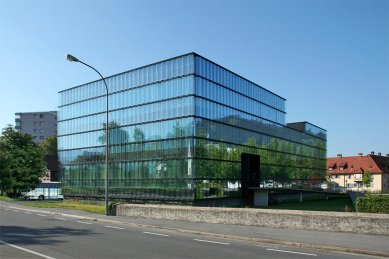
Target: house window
[
  {"x": 336, "y": 176},
  {"x": 330, "y": 168},
  {"x": 349, "y": 176},
  {"x": 41, "y": 123},
  {"x": 41, "y": 137},
  {"x": 41, "y": 115},
  {"x": 341, "y": 168}
]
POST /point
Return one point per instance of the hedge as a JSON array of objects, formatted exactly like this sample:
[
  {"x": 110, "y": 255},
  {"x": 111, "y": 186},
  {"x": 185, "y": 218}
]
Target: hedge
[{"x": 373, "y": 203}]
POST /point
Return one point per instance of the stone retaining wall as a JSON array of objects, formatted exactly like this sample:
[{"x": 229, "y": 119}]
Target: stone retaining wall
[{"x": 307, "y": 220}]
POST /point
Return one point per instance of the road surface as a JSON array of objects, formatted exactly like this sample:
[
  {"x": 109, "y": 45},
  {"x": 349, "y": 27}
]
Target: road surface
[{"x": 25, "y": 234}]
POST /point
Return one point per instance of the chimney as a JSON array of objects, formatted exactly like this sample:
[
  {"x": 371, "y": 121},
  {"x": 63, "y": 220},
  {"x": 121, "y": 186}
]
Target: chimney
[
  {"x": 379, "y": 153},
  {"x": 339, "y": 155},
  {"x": 360, "y": 154},
  {"x": 387, "y": 155},
  {"x": 372, "y": 153}
]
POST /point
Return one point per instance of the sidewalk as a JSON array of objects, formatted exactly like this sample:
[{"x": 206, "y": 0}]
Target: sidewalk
[{"x": 333, "y": 241}]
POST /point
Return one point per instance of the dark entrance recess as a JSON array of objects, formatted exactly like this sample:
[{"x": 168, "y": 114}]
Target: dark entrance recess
[{"x": 250, "y": 172}]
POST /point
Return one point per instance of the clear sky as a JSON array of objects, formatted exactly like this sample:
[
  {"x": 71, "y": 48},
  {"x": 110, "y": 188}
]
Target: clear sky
[{"x": 329, "y": 59}]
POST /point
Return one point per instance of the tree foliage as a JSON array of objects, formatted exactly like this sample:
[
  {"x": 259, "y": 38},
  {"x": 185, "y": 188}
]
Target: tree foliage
[
  {"x": 21, "y": 162},
  {"x": 373, "y": 203},
  {"x": 49, "y": 145},
  {"x": 367, "y": 179}
]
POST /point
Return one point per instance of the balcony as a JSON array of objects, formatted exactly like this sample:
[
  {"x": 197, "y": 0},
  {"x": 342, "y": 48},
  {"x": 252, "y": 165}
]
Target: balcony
[{"x": 357, "y": 178}]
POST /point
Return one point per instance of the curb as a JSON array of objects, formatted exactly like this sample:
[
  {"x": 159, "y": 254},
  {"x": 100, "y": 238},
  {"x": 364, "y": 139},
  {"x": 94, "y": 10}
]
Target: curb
[{"x": 223, "y": 236}]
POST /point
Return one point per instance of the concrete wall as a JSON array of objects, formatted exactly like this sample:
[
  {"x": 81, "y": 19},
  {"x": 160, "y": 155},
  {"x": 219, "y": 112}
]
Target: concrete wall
[{"x": 307, "y": 220}]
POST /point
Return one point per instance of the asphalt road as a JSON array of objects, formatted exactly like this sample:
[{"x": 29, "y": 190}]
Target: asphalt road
[{"x": 26, "y": 234}]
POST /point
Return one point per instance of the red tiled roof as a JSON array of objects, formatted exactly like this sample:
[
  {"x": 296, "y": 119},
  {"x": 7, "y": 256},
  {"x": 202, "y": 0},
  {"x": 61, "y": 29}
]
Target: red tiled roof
[
  {"x": 342, "y": 163},
  {"x": 358, "y": 164},
  {"x": 331, "y": 165}
]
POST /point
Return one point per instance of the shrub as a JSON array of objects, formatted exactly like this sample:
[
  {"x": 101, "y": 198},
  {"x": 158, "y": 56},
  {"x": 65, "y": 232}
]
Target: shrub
[{"x": 373, "y": 203}]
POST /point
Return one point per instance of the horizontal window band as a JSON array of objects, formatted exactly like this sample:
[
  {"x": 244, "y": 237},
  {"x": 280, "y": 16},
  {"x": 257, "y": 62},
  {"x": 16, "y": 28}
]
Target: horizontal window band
[
  {"x": 259, "y": 117},
  {"x": 262, "y": 148},
  {"x": 169, "y": 79},
  {"x": 262, "y": 133},
  {"x": 240, "y": 93},
  {"x": 165, "y": 100},
  {"x": 235, "y": 74},
  {"x": 190, "y": 116},
  {"x": 129, "y": 107},
  {"x": 127, "y": 89},
  {"x": 194, "y": 159},
  {"x": 190, "y": 138},
  {"x": 128, "y": 125},
  {"x": 132, "y": 70}
]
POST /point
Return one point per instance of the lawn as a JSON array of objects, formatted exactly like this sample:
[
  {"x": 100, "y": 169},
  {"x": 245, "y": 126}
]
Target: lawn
[
  {"x": 340, "y": 204},
  {"x": 98, "y": 209},
  {"x": 5, "y": 198}
]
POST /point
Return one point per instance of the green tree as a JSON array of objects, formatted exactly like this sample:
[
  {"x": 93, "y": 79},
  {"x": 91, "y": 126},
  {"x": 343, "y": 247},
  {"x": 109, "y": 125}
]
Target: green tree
[
  {"x": 5, "y": 176},
  {"x": 49, "y": 145},
  {"x": 22, "y": 162},
  {"x": 367, "y": 179}
]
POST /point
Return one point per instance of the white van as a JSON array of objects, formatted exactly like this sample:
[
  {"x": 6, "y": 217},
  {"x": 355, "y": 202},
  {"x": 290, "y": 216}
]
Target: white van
[{"x": 50, "y": 190}]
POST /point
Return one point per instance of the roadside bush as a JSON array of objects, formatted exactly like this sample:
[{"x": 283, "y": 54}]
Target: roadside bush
[{"x": 373, "y": 203}]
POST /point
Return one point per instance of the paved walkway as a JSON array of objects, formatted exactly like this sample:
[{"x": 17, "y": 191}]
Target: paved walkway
[{"x": 335, "y": 241}]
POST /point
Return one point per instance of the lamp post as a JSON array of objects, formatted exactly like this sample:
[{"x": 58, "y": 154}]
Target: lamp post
[{"x": 74, "y": 59}]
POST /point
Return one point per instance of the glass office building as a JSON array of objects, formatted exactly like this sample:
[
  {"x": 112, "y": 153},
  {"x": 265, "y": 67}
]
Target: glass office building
[{"x": 178, "y": 129}]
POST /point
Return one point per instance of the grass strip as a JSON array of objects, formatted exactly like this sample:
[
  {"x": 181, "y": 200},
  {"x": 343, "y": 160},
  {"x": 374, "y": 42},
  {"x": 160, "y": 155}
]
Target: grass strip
[
  {"x": 98, "y": 209},
  {"x": 5, "y": 198}
]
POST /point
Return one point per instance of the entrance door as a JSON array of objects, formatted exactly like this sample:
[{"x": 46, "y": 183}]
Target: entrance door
[{"x": 250, "y": 172}]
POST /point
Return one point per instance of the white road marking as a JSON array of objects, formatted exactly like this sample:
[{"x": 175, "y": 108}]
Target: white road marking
[
  {"x": 7, "y": 209},
  {"x": 264, "y": 246},
  {"x": 214, "y": 242},
  {"x": 291, "y": 252},
  {"x": 60, "y": 218},
  {"x": 27, "y": 212},
  {"x": 113, "y": 227},
  {"x": 41, "y": 215},
  {"x": 84, "y": 222},
  {"x": 26, "y": 250},
  {"x": 157, "y": 234}
]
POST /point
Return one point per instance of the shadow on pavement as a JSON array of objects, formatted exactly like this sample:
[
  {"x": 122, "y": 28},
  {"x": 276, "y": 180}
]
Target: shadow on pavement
[{"x": 25, "y": 235}]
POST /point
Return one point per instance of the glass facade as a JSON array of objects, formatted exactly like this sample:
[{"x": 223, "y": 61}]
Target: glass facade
[{"x": 177, "y": 132}]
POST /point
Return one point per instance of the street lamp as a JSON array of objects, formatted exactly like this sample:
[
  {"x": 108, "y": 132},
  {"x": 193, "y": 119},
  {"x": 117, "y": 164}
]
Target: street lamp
[{"x": 74, "y": 59}]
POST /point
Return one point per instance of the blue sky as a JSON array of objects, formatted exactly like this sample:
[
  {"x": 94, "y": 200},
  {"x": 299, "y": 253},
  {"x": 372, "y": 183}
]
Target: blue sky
[{"x": 329, "y": 59}]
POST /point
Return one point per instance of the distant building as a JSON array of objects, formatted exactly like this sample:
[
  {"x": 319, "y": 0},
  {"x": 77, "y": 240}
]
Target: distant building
[
  {"x": 39, "y": 124},
  {"x": 347, "y": 172}
]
